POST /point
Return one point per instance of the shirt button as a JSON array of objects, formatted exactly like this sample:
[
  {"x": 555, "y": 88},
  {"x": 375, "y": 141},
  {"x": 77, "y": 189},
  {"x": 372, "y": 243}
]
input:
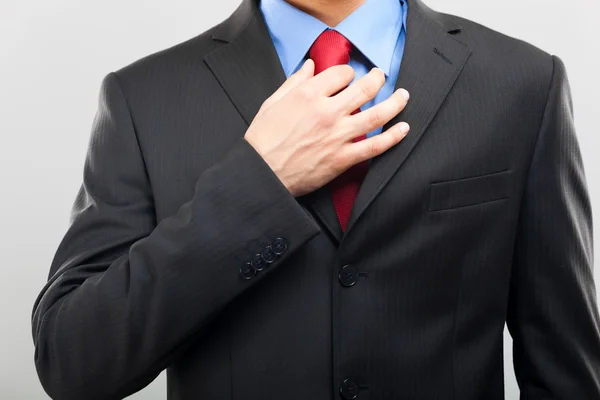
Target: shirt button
[
  {"x": 348, "y": 275},
  {"x": 279, "y": 245},
  {"x": 247, "y": 271},
  {"x": 349, "y": 389},
  {"x": 258, "y": 263},
  {"x": 268, "y": 255}
]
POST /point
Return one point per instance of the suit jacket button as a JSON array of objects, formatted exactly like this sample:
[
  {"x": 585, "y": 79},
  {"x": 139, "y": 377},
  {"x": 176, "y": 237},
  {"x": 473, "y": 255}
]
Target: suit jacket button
[
  {"x": 247, "y": 271},
  {"x": 258, "y": 263},
  {"x": 349, "y": 389},
  {"x": 268, "y": 255},
  {"x": 348, "y": 275},
  {"x": 279, "y": 245}
]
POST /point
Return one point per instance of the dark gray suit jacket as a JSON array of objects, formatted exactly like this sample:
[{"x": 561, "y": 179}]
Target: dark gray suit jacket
[{"x": 186, "y": 252}]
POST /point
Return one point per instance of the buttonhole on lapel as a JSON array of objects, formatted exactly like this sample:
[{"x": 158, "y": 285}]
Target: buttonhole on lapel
[
  {"x": 439, "y": 53},
  {"x": 363, "y": 274},
  {"x": 454, "y": 31}
]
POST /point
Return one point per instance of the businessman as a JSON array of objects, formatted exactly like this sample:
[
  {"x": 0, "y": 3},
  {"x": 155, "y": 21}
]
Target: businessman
[{"x": 328, "y": 200}]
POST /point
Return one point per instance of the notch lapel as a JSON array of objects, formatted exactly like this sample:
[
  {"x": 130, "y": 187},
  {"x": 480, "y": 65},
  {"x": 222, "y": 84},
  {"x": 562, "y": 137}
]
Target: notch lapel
[
  {"x": 248, "y": 67},
  {"x": 249, "y": 71},
  {"x": 431, "y": 63}
]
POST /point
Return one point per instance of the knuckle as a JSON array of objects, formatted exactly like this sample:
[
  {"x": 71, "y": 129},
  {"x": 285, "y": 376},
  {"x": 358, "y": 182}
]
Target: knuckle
[
  {"x": 373, "y": 148},
  {"x": 266, "y": 104},
  {"x": 325, "y": 116},
  {"x": 375, "y": 118},
  {"x": 367, "y": 88},
  {"x": 343, "y": 161},
  {"x": 305, "y": 93}
]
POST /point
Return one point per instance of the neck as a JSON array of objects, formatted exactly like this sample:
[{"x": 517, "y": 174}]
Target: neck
[{"x": 331, "y": 12}]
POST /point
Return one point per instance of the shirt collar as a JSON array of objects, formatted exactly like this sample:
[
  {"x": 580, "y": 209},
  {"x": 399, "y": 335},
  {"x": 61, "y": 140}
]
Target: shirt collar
[{"x": 373, "y": 29}]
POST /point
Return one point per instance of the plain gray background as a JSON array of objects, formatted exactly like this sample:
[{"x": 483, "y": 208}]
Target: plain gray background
[{"x": 54, "y": 55}]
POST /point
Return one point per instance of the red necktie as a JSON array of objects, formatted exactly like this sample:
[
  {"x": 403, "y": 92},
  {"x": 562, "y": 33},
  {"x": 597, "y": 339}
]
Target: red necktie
[{"x": 332, "y": 48}]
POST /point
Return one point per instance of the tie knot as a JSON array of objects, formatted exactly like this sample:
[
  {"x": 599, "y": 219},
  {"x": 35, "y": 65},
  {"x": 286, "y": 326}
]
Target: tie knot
[{"x": 331, "y": 48}]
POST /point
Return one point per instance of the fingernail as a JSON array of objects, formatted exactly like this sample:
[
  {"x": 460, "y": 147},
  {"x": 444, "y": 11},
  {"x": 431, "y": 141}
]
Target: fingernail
[
  {"x": 404, "y": 94},
  {"x": 404, "y": 127}
]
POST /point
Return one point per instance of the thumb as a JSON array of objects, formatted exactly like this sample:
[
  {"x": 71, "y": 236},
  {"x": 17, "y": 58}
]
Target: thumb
[{"x": 302, "y": 75}]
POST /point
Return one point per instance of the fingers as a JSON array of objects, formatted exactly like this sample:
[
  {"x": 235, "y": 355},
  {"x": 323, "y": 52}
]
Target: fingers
[
  {"x": 378, "y": 115},
  {"x": 361, "y": 91},
  {"x": 375, "y": 145},
  {"x": 330, "y": 81},
  {"x": 302, "y": 75}
]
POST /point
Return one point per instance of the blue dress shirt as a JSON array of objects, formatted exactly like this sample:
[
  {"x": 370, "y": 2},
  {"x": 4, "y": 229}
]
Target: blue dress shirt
[{"x": 377, "y": 29}]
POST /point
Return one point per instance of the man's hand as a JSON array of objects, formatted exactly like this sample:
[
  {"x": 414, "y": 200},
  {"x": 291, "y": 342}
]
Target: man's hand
[{"x": 305, "y": 130}]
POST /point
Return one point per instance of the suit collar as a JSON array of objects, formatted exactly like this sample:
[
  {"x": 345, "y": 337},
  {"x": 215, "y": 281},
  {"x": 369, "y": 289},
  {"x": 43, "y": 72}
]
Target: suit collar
[
  {"x": 229, "y": 29},
  {"x": 249, "y": 70},
  {"x": 445, "y": 21}
]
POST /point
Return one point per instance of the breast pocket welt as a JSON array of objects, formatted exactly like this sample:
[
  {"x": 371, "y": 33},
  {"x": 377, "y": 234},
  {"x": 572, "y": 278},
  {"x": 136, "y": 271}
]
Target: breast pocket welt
[{"x": 469, "y": 191}]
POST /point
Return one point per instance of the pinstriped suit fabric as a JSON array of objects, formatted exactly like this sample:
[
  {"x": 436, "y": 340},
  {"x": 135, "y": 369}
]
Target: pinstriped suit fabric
[{"x": 479, "y": 216}]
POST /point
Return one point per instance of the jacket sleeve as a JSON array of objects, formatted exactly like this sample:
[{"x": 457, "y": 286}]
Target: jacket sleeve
[
  {"x": 125, "y": 293},
  {"x": 552, "y": 311}
]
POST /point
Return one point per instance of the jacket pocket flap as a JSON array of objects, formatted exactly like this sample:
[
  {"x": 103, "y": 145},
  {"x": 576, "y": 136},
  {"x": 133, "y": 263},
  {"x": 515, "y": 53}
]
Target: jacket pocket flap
[{"x": 469, "y": 191}]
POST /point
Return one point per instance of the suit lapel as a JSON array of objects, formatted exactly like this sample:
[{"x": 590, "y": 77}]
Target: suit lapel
[
  {"x": 431, "y": 62},
  {"x": 249, "y": 71},
  {"x": 248, "y": 67}
]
